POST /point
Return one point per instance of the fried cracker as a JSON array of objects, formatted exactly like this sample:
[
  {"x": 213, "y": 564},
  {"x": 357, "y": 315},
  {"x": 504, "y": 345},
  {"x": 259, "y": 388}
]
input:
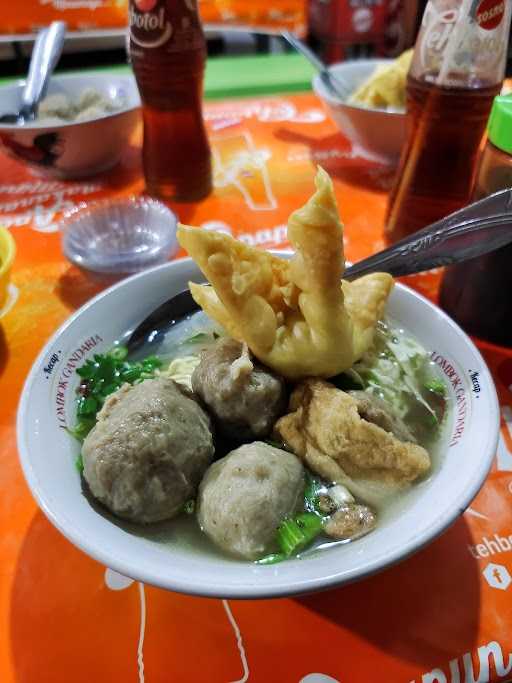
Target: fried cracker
[{"x": 294, "y": 315}]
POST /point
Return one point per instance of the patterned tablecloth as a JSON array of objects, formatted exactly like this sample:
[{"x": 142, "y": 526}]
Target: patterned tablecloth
[{"x": 442, "y": 616}]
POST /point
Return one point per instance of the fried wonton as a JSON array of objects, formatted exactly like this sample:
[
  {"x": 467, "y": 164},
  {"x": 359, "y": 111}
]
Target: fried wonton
[
  {"x": 326, "y": 429},
  {"x": 294, "y": 315}
]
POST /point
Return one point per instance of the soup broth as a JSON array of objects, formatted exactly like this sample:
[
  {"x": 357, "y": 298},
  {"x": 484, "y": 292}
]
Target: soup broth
[{"x": 397, "y": 370}]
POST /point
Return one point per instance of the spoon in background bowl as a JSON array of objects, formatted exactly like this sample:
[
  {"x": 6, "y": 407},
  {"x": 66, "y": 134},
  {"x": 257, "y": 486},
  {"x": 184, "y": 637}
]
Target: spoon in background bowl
[
  {"x": 334, "y": 84},
  {"x": 475, "y": 230},
  {"x": 45, "y": 56}
]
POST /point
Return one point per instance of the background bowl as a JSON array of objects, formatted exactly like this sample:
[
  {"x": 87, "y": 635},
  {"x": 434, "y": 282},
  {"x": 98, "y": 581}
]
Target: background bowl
[
  {"x": 7, "y": 254},
  {"x": 73, "y": 150},
  {"x": 48, "y": 455},
  {"x": 374, "y": 133}
]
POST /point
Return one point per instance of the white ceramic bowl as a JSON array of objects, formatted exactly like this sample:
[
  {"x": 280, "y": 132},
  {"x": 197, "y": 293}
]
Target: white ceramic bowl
[
  {"x": 48, "y": 455},
  {"x": 375, "y": 133},
  {"x": 73, "y": 150}
]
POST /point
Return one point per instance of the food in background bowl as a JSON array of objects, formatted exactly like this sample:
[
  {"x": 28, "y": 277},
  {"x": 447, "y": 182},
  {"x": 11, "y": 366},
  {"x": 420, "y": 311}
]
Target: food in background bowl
[
  {"x": 375, "y": 133},
  {"x": 90, "y": 104},
  {"x": 349, "y": 405},
  {"x": 385, "y": 88},
  {"x": 74, "y": 148}
]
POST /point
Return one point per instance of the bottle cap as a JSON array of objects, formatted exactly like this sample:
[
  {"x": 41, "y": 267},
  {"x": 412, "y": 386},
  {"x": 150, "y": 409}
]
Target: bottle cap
[{"x": 500, "y": 123}]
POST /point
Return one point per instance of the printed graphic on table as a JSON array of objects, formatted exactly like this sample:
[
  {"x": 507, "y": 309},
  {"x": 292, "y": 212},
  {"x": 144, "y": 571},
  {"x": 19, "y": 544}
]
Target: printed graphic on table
[
  {"x": 80, "y": 15},
  {"x": 442, "y": 616},
  {"x": 238, "y": 164}
]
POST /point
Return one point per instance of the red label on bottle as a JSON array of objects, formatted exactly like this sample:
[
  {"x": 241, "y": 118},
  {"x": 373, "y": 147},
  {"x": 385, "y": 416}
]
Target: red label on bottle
[
  {"x": 170, "y": 24},
  {"x": 149, "y": 26},
  {"x": 489, "y": 14},
  {"x": 145, "y": 5}
]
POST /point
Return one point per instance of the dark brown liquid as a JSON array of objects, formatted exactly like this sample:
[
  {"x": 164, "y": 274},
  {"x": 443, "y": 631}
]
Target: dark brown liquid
[
  {"x": 176, "y": 152},
  {"x": 435, "y": 176},
  {"x": 478, "y": 293},
  {"x": 176, "y": 155}
]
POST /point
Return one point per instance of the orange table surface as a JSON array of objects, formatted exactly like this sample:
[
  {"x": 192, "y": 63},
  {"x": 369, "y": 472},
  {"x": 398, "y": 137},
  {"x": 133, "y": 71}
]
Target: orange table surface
[{"x": 442, "y": 616}]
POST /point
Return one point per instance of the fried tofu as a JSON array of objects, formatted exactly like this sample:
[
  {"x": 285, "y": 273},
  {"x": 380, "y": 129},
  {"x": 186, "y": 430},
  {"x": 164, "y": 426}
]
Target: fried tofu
[{"x": 324, "y": 428}]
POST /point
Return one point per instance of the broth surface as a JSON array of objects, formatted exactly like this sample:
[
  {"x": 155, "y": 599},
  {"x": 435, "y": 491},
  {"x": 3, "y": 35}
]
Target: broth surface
[{"x": 187, "y": 338}]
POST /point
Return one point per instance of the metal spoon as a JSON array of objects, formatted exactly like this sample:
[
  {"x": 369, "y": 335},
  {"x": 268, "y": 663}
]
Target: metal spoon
[
  {"x": 45, "y": 55},
  {"x": 335, "y": 84},
  {"x": 475, "y": 230}
]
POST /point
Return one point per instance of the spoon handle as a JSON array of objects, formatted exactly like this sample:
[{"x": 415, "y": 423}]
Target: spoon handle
[
  {"x": 473, "y": 231},
  {"x": 46, "y": 54},
  {"x": 304, "y": 50},
  {"x": 331, "y": 82}
]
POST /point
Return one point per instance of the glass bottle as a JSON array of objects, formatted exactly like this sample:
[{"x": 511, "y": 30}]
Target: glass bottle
[
  {"x": 478, "y": 293},
  {"x": 457, "y": 69}
]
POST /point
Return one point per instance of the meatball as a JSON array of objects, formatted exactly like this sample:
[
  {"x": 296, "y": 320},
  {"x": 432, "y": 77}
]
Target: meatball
[
  {"x": 244, "y": 397},
  {"x": 148, "y": 451},
  {"x": 246, "y": 495}
]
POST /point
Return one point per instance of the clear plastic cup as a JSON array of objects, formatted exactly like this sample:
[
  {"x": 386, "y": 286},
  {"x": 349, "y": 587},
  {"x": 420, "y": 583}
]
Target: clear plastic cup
[{"x": 123, "y": 235}]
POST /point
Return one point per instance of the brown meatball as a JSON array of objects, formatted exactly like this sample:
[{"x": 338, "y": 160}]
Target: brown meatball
[
  {"x": 148, "y": 451},
  {"x": 244, "y": 397},
  {"x": 246, "y": 495}
]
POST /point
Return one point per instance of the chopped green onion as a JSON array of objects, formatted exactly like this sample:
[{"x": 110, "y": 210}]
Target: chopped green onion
[
  {"x": 82, "y": 428},
  {"x": 431, "y": 419},
  {"x": 131, "y": 375},
  {"x": 79, "y": 464},
  {"x": 314, "y": 488},
  {"x": 106, "y": 369},
  {"x": 437, "y": 386},
  {"x": 272, "y": 559},
  {"x": 152, "y": 362},
  {"x": 295, "y": 534},
  {"x": 310, "y": 494},
  {"x": 118, "y": 353},
  {"x": 87, "y": 406},
  {"x": 87, "y": 371},
  {"x": 198, "y": 338},
  {"x": 189, "y": 507},
  {"x": 109, "y": 389}
]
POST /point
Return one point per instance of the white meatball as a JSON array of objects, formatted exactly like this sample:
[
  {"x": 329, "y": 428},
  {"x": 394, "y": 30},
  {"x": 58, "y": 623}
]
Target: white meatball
[
  {"x": 148, "y": 451},
  {"x": 246, "y": 495}
]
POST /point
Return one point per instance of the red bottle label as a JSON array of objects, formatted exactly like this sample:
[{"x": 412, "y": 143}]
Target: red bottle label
[
  {"x": 158, "y": 23},
  {"x": 489, "y": 14},
  {"x": 145, "y": 5}
]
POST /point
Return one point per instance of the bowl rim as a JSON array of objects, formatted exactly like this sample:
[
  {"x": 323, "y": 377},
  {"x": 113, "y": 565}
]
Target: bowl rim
[
  {"x": 249, "y": 590},
  {"x": 7, "y": 250},
  {"x": 42, "y": 125},
  {"x": 322, "y": 92},
  {"x": 98, "y": 206}
]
